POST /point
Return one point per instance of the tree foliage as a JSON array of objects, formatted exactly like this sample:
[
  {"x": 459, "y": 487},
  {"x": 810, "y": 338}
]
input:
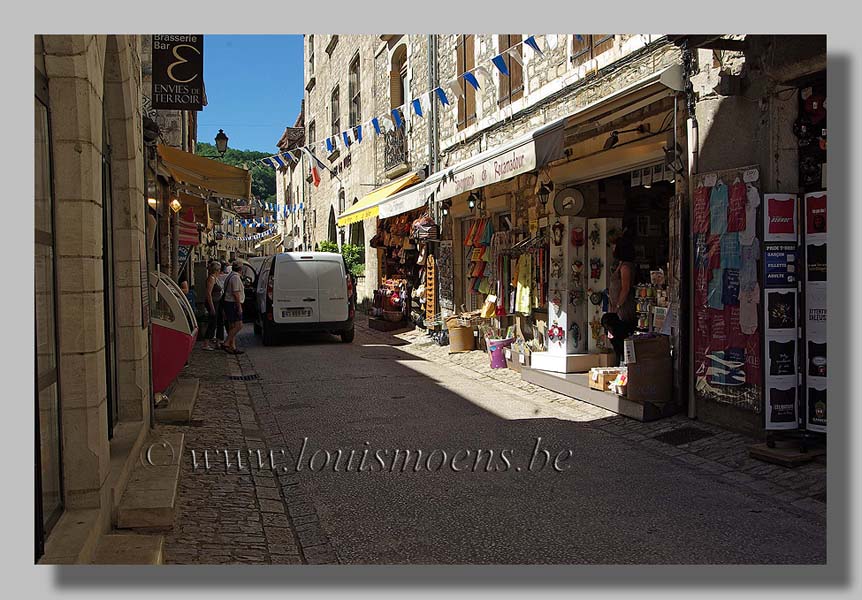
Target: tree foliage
[
  {"x": 262, "y": 177},
  {"x": 354, "y": 255}
]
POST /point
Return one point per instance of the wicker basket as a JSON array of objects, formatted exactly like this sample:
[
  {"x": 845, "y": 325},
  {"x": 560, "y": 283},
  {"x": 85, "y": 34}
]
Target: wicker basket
[{"x": 393, "y": 315}]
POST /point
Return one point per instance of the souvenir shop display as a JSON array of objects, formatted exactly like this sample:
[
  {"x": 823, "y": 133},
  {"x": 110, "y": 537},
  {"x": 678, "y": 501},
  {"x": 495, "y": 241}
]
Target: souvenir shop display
[
  {"x": 816, "y": 282},
  {"x": 727, "y": 334},
  {"x": 402, "y": 262}
]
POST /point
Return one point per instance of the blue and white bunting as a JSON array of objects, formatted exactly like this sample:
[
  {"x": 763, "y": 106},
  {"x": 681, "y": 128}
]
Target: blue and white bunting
[
  {"x": 500, "y": 63},
  {"x": 471, "y": 79},
  {"x": 531, "y": 42}
]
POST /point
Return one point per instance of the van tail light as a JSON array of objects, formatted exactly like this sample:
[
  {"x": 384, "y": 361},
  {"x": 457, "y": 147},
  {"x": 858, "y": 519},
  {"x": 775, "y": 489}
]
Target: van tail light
[
  {"x": 269, "y": 298},
  {"x": 351, "y": 305}
]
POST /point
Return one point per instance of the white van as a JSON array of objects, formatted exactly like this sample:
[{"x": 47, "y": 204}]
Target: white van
[{"x": 305, "y": 291}]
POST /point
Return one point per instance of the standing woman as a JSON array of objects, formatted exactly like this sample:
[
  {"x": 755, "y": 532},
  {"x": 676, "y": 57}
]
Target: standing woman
[
  {"x": 214, "y": 295},
  {"x": 621, "y": 321}
]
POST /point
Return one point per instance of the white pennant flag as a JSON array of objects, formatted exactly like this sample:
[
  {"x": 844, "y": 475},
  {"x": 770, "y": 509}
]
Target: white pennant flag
[
  {"x": 551, "y": 40},
  {"x": 405, "y": 111},
  {"x": 455, "y": 87},
  {"x": 425, "y": 101},
  {"x": 486, "y": 74},
  {"x": 515, "y": 54}
]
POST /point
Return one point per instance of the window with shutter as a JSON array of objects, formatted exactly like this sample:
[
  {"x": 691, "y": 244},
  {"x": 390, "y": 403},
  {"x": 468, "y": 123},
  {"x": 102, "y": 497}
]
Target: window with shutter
[
  {"x": 511, "y": 86},
  {"x": 355, "y": 102},
  {"x": 587, "y": 46},
  {"x": 336, "y": 113},
  {"x": 398, "y": 77},
  {"x": 466, "y": 61}
]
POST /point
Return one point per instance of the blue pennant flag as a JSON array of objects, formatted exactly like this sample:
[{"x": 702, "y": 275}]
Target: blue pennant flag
[
  {"x": 300, "y": 206},
  {"x": 396, "y": 115},
  {"x": 579, "y": 37},
  {"x": 329, "y": 145},
  {"x": 376, "y": 124},
  {"x": 531, "y": 42},
  {"x": 500, "y": 63},
  {"x": 358, "y": 133},
  {"x": 268, "y": 162},
  {"x": 277, "y": 159},
  {"x": 346, "y": 139},
  {"x": 471, "y": 79},
  {"x": 417, "y": 107},
  {"x": 442, "y": 96},
  {"x": 289, "y": 157}
]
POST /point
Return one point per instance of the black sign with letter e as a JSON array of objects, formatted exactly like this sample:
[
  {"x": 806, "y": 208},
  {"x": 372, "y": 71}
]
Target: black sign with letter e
[{"x": 178, "y": 72}]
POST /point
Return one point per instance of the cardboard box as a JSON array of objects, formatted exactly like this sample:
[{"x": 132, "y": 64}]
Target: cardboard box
[
  {"x": 650, "y": 380},
  {"x": 640, "y": 349},
  {"x": 607, "y": 359},
  {"x": 600, "y": 377}
]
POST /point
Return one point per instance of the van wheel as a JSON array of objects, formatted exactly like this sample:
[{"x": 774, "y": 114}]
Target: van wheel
[
  {"x": 257, "y": 329},
  {"x": 347, "y": 336},
  {"x": 268, "y": 335}
]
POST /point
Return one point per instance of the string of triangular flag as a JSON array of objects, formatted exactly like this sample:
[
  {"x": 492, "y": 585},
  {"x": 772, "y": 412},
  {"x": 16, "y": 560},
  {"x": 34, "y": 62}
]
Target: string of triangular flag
[
  {"x": 247, "y": 238},
  {"x": 447, "y": 94},
  {"x": 260, "y": 221}
]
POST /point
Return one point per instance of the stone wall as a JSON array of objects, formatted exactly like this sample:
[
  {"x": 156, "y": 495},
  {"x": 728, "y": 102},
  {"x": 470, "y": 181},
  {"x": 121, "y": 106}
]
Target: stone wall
[{"x": 88, "y": 75}]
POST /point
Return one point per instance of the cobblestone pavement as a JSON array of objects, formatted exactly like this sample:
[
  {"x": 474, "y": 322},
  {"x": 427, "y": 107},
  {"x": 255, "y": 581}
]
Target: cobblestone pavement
[
  {"x": 265, "y": 516},
  {"x": 725, "y": 453},
  {"x": 227, "y": 515}
]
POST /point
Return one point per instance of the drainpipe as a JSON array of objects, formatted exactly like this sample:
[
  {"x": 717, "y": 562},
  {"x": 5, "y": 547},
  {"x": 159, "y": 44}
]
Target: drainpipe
[
  {"x": 692, "y": 144},
  {"x": 432, "y": 83}
]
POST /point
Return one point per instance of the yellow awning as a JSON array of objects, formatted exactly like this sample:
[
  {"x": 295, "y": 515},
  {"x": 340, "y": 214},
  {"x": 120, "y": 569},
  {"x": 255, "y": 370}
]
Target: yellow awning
[
  {"x": 221, "y": 179},
  {"x": 369, "y": 206}
]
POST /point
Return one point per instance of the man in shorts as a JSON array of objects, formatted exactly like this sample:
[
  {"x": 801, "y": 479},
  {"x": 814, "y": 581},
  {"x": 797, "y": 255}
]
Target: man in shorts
[{"x": 234, "y": 296}]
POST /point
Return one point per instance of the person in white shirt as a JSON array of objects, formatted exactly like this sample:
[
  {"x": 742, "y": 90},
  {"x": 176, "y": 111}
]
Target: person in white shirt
[{"x": 234, "y": 296}]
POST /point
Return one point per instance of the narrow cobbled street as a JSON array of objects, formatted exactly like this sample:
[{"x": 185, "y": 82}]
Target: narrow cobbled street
[{"x": 621, "y": 496}]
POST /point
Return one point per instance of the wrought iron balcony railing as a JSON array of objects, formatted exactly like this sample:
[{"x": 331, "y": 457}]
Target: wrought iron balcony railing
[{"x": 395, "y": 149}]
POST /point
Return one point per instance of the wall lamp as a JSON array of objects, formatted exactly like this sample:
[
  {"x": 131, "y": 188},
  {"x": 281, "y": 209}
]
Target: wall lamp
[
  {"x": 474, "y": 201},
  {"x": 445, "y": 206},
  {"x": 544, "y": 192}
]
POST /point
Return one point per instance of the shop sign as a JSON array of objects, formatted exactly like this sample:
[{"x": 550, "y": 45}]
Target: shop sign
[
  {"x": 494, "y": 170},
  {"x": 780, "y": 264},
  {"x": 178, "y": 72}
]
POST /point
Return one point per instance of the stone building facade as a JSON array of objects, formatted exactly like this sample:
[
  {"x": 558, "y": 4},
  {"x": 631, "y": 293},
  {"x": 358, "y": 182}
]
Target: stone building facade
[{"x": 92, "y": 342}]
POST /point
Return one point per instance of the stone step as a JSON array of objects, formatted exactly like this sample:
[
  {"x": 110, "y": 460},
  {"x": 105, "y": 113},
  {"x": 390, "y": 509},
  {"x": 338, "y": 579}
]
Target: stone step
[
  {"x": 149, "y": 501},
  {"x": 73, "y": 539},
  {"x": 129, "y": 549},
  {"x": 181, "y": 402}
]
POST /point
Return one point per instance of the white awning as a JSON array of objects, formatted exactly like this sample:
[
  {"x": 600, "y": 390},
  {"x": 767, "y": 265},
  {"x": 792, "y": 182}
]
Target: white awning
[{"x": 521, "y": 155}]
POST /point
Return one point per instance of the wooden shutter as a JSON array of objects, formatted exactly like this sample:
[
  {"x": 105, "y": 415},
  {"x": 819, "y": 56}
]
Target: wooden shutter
[
  {"x": 581, "y": 48},
  {"x": 460, "y": 68},
  {"x": 469, "y": 92},
  {"x": 511, "y": 86},
  {"x": 602, "y": 42}
]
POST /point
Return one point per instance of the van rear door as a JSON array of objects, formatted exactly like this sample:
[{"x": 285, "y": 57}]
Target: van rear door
[
  {"x": 294, "y": 290},
  {"x": 332, "y": 289}
]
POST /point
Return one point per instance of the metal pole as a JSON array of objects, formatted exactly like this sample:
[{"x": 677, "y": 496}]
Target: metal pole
[{"x": 692, "y": 144}]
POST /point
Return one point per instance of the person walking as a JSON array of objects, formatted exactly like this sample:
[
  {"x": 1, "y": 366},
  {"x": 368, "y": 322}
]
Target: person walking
[
  {"x": 234, "y": 296},
  {"x": 214, "y": 295},
  {"x": 621, "y": 319}
]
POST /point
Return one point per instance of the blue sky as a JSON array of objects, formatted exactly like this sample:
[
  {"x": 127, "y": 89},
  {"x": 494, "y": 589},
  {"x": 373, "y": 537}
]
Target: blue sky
[{"x": 254, "y": 88}]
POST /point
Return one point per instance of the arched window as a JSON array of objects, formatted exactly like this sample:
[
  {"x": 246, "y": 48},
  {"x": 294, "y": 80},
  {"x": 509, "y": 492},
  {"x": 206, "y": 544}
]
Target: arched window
[
  {"x": 333, "y": 229},
  {"x": 398, "y": 77},
  {"x": 357, "y": 231}
]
